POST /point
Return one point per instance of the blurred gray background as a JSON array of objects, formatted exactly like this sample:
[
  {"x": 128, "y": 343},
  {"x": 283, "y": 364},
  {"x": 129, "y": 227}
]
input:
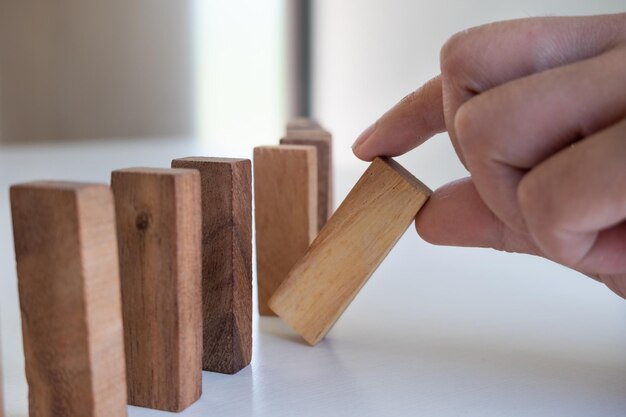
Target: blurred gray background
[{"x": 221, "y": 71}]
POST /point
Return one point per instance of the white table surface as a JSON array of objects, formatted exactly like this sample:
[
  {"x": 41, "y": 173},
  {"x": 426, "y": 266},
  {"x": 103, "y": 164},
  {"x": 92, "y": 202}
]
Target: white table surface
[{"x": 436, "y": 332}]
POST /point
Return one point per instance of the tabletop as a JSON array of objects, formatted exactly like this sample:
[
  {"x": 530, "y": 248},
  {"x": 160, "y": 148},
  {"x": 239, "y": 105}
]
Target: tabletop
[{"x": 437, "y": 331}]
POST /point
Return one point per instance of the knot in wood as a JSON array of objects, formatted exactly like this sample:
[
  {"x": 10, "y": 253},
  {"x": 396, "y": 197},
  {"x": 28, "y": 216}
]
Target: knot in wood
[{"x": 142, "y": 222}]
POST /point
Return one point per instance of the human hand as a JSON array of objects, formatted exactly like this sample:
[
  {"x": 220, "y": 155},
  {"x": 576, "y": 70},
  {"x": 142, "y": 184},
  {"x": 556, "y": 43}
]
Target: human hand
[{"x": 536, "y": 111}]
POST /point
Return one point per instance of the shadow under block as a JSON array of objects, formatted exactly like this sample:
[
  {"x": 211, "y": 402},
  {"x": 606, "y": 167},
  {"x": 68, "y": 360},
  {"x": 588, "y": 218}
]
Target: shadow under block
[
  {"x": 226, "y": 261},
  {"x": 158, "y": 232},
  {"x": 68, "y": 279},
  {"x": 322, "y": 141},
  {"x": 285, "y": 195},
  {"x": 349, "y": 248}
]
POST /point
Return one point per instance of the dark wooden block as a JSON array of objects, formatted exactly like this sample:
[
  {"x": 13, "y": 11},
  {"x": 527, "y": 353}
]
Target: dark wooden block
[{"x": 226, "y": 260}]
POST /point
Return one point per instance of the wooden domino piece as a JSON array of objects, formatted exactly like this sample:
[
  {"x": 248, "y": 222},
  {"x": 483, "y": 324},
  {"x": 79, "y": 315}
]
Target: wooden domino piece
[
  {"x": 158, "y": 230},
  {"x": 285, "y": 195},
  {"x": 302, "y": 123},
  {"x": 322, "y": 140},
  {"x": 226, "y": 261},
  {"x": 69, "y": 287},
  {"x": 349, "y": 248}
]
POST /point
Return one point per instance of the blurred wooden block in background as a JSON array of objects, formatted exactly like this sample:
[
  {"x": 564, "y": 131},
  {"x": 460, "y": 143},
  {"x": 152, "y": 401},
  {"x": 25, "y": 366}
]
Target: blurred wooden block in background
[
  {"x": 349, "y": 248},
  {"x": 158, "y": 230},
  {"x": 226, "y": 185},
  {"x": 298, "y": 123},
  {"x": 322, "y": 140},
  {"x": 67, "y": 267},
  {"x": 285, "y": 195}
]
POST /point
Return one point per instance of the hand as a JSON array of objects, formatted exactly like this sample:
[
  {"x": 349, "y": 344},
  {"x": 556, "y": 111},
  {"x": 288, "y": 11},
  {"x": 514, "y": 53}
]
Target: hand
[{"x": 536, "y": 111}]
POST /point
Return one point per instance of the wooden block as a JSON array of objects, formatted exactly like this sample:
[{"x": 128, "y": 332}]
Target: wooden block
[
  {"x": 349, "y": 248},
  {"x": 68, "y": 278},
  {"x": 158, "y": 230},
  {"x": 226, "y": 261},
  {"x": 285, "y": 195},
  {"x": 302, "y": 123},
  {"x": 322, "y": 140}
]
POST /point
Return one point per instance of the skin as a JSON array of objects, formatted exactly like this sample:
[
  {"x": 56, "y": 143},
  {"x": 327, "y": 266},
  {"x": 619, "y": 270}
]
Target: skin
[{"x": 536, "y": 111}]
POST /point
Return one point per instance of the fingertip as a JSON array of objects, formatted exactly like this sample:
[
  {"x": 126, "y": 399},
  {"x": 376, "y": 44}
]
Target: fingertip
[
  {"x": 433, "y": 220},
  {"x": 413, "y": 120},
  {"x": 359, "y": 147},
  {"x": 456, "y": 216}
]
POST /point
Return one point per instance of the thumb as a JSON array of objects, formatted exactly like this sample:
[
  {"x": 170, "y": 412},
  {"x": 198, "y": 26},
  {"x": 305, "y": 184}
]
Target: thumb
[{"x": 455, "y": 215}]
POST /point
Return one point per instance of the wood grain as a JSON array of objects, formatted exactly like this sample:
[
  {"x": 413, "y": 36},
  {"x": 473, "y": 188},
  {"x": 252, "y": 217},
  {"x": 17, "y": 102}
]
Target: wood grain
[
  {"x": 158, "y": 230},
  {"x": 68, "y": 278},
  {"x": 226, "y": 261},
  {"x": 349, "y": 248},
  {"x": 322, "y": 140},
  {"x": 285, "y": 195}
]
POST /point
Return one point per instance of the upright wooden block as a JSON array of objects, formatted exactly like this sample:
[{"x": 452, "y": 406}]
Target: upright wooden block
[
  {"x": 302, "y": 123},
  {"x": 158, "y": 230},
  {"x": 226, "y": 261},
  {"x": 349, "y": 248},
  {"x": 285, "y": 195},
  {"x": 68, "y": 278},
  {"x": 322, "y": 140}
]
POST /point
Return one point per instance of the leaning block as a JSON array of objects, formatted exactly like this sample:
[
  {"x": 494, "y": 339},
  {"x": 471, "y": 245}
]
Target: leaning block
[
  {"x": 226, "y": 261},
  {"x": 322, "y": 140},
  {"x": 68, "y": 279},
  {"x": 158, "y": 231},
  {"x": 285, "y": 195},
  {"x": 349, "y": 248}
]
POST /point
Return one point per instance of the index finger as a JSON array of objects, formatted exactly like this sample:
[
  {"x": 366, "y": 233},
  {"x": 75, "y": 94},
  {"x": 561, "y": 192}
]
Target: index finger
[{"x": 412, "y": 121}]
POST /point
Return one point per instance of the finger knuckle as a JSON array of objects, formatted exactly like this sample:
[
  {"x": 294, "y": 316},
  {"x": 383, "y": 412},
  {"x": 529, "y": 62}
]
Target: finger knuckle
[
  {"x": 542, "y": 215},
  {"x": 454, "y": 54},
  {"x": 470, "y": 131},
  {"x": 532, "y": 203},
  {"x": 458, "y": 55}
]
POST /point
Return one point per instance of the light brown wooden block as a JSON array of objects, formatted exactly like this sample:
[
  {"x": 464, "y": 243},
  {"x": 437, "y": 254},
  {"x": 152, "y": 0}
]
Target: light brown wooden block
[
  {"x": 285, "y": 195},
  {"x": 158, "y": 230},
  {"x": 226, "y": 261},
  {"x": 322, "y": 140},
  {"x": 67, "y": 267},
  {"x": 349, "y": 248}
]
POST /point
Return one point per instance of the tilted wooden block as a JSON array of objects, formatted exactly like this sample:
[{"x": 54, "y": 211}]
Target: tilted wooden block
[
  {"x": 68, "y": 278},
  {"x": 285, "y": 195},
  {"x": 226, "y": 261},
  {"x": 349, "y": 248},
  {"x": 158, "y": 231},
  {"x": 322, "y": 140}
]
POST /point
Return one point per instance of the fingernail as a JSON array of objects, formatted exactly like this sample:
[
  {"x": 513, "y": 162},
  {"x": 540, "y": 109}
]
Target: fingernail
[{"x": 364, "y": 136}]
